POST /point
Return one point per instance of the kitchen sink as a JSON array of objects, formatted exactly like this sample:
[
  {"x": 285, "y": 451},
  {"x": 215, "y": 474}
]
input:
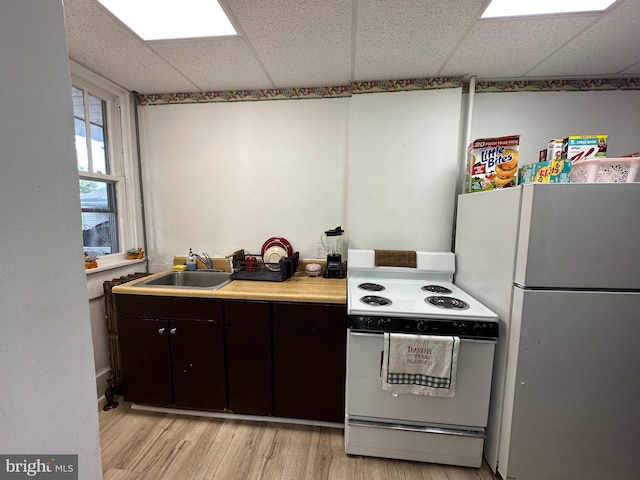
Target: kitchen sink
[{"x": 203, "y": 279}]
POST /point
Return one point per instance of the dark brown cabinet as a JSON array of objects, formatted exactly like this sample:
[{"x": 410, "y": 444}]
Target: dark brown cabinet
[
  {"x": 309, "y": 350},
  {"x": 172, "y": 351},
  {"x": 197, "y": 354},
  {"x": 248, "y": 331},
  {"x": 144, "y": 352},
  {"x": 246, "y": 357}
]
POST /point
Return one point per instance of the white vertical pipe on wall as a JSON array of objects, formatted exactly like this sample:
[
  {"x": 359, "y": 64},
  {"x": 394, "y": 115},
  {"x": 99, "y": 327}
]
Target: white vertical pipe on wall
[
  {"x": 465, "y": 139},
  {"x": 467, "y": 134}
]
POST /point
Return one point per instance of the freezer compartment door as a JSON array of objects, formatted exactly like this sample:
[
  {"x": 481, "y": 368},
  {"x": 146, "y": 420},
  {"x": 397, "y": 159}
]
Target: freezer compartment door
[{"x": 579, "y": 236}]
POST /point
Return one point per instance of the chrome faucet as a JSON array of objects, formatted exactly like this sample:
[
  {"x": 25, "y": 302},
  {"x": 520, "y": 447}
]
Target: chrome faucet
[{"x": 206, "y": 259}]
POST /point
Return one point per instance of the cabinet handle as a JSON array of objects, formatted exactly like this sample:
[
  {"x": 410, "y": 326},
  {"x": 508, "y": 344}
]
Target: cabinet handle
[
  {"x": 161, "y": 330},
  {"x": 173, "y": 331}
]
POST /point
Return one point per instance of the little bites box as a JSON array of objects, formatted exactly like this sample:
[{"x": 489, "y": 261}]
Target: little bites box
[{"x": 492, "y": 163}]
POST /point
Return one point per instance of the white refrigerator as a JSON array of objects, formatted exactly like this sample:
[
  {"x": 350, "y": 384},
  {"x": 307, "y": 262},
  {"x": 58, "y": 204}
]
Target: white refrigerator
[{"x": 560, "y": 265}]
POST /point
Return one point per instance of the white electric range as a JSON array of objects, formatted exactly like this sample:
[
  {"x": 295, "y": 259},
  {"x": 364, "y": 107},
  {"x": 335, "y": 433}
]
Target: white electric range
[{"x": 419, "y": 300}]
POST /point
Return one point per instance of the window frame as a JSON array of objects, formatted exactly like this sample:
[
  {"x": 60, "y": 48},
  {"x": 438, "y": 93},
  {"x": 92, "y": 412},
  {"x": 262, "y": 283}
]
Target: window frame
[{"x": 120, "y": 142}]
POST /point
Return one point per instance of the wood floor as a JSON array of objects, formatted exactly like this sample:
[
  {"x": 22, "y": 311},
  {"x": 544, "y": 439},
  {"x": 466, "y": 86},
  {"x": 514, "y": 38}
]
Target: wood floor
[{"x": 139, "y": 445}]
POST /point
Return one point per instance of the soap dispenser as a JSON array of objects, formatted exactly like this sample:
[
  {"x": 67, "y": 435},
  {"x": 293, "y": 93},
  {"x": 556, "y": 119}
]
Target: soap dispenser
[{"x": 191, "y": 261}]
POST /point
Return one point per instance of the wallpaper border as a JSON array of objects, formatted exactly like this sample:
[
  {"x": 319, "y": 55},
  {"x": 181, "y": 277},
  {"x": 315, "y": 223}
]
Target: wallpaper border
[
  {"x": 571, "y": 85},
  {"x": 380, "y": 86}
]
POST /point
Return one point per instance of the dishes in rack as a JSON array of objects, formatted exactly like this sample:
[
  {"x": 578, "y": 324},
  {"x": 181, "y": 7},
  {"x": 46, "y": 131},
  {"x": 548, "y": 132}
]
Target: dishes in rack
[
  {"x": 280, "y": 242},
  {"x": 272, "y": 256}
]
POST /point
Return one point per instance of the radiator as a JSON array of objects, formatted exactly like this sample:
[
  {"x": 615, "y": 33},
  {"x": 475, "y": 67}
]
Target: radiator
[{"x": 111, "y": 315}]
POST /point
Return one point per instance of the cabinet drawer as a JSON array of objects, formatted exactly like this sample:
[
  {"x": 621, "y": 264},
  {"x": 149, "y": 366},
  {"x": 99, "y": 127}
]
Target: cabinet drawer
[
  {"x": 151, "y": 306},
  {"x": 310, "y": 316}
]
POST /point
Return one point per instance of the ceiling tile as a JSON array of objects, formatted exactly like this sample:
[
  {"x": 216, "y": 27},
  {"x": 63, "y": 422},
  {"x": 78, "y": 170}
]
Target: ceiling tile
[
  {"x": 96, "y": 40},
  {"x": 609, "y": 46},
  {"x": 634, "y": 70},
  {"x": 506, "y": 48},
  {"x": 215, "y": 64},
  {"x": 408, "y": 39},
  {"x": 312, "y": 39}
]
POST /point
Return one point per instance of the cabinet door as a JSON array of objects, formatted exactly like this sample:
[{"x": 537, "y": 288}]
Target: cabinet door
[
  {"x": 144, "y": 351},
  {"x": 197, "y": 348},
  {"x": 309, "y": 361},
  {"x": 249, "y": 357}
]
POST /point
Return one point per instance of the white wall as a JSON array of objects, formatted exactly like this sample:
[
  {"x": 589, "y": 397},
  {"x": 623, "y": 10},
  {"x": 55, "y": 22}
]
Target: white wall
[
  {"x": 218, "y": 177},
  {"x": 540, "y": 116},
  {"x": 224, "y": 176},
  {"x": 403, "y": 169},
  {"x": 48, "y": 402}
]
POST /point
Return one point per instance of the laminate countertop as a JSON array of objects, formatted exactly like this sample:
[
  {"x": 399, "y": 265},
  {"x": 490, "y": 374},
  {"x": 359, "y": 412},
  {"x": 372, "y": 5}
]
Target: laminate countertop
[{"x": 299, "y": 288}]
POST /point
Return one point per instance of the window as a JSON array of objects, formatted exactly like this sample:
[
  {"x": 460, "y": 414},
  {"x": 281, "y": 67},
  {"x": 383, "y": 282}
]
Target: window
[
  {"x": 97, "y": 195},
  {"x": 104, "y": 150}
]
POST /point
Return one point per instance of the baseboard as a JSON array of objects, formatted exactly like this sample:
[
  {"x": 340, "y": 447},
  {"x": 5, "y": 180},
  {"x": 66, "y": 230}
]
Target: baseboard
[
  {"x": 236, "y": 416},
  {"x": 101, "y": 382}
]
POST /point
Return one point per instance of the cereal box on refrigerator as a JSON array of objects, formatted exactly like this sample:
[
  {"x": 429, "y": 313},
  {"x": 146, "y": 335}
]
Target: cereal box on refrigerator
[
  {"x": 554, "y": 149},
  {"x": 584, "y": 147},
  {"x": 492, "y": 163}
]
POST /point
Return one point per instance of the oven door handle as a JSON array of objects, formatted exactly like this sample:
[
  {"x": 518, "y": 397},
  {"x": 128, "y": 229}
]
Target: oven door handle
[
  {"x": 416, "y": 428},
  {"x": 462, "y": 340}
]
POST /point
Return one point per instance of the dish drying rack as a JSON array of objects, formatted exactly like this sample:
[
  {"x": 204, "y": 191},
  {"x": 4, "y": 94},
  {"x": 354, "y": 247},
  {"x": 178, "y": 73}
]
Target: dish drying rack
[{"x": 241, "y": 269}]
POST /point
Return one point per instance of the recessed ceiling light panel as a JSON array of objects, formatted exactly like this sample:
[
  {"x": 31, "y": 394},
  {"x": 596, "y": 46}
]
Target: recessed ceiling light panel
[
  {"x": 172, "y": 19},
  {"x": 515, "y": 8}
]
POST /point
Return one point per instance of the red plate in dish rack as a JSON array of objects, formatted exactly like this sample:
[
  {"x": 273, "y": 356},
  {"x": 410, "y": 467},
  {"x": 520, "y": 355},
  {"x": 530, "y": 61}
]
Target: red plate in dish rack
[{"x": 277, "y": 242}]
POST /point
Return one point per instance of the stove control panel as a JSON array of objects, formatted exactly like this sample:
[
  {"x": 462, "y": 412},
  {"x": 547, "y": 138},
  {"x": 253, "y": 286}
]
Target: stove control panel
[{"x": 427, "y": 326}]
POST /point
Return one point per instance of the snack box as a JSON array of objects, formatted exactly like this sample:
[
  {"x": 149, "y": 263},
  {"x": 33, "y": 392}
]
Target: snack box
[
  {"x": 561, "y": 171},
  {"x": 583, "y": 147},
  {"x": 528, "y": 172},
  {"x": 554, "y": 149},
  {"x": 554, "y": 171},
  {"x": 492, "y": 163}
]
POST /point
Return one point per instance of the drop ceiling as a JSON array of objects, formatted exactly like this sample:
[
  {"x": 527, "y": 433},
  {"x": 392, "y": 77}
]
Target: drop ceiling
[{"x": 308, "y": 43}]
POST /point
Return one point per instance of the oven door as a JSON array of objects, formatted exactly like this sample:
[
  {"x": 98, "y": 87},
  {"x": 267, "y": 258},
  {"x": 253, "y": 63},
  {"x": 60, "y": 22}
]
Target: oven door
[{"x": 366, "y": 398}]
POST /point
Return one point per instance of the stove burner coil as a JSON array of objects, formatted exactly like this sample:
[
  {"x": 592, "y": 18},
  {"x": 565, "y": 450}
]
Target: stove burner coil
[
  {"x": 447, "y": 302},
  {"x": 436, "y": 289},
  {"x": 372, "y": 287},
  {"x": 375, "y": 301}
]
